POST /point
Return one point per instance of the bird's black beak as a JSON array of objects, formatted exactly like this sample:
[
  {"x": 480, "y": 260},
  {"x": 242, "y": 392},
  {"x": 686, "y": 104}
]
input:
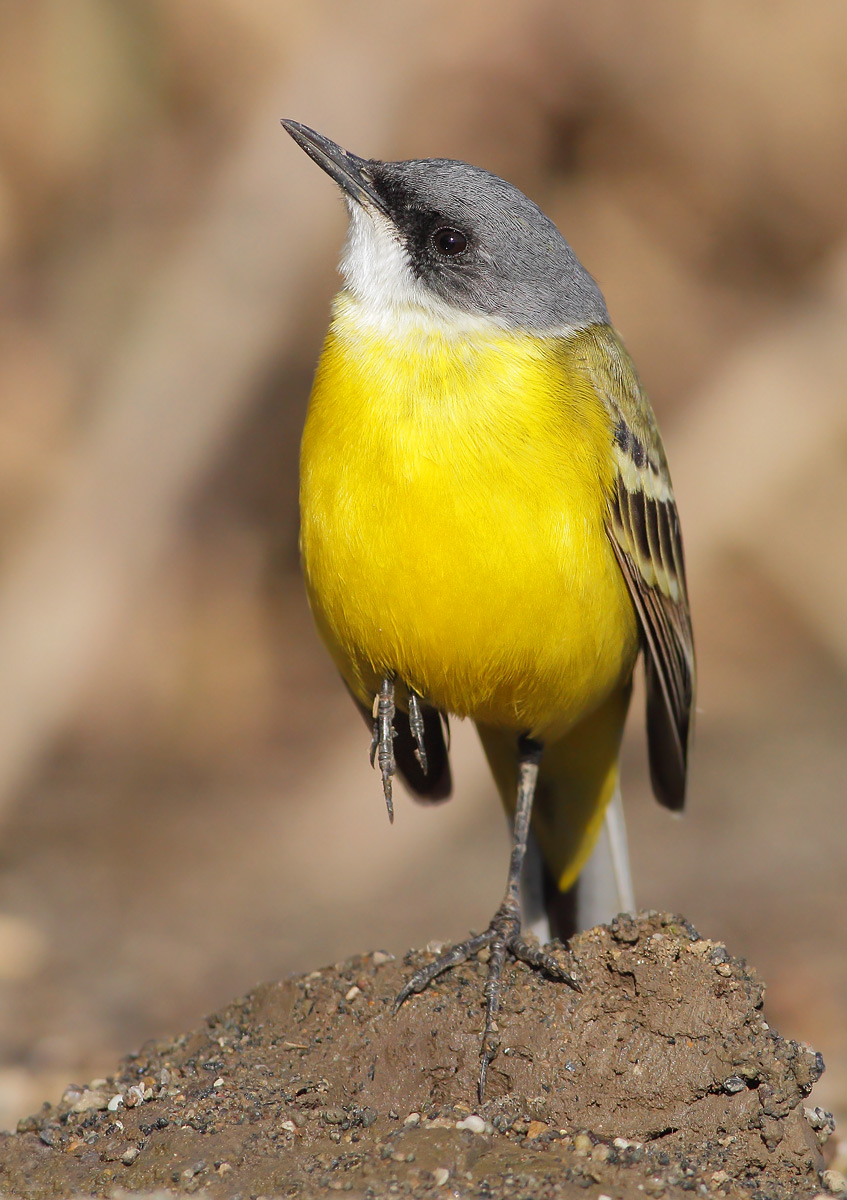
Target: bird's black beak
[{"x": 348, "y": 170}]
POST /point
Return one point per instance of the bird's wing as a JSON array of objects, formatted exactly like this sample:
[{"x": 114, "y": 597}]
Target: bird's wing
[{"x": 645, "y": 535}]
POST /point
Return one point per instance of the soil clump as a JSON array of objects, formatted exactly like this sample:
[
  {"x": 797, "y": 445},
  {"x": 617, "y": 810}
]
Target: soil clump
[{"x": 661, "y": 1079}]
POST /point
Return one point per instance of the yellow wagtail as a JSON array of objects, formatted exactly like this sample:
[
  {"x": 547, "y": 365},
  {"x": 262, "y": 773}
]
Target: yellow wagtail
[{"x": 488, "y": 526}]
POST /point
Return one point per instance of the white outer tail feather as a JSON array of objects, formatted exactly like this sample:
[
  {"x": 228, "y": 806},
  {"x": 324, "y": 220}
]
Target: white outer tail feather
[{"x": 604, "y": 886}]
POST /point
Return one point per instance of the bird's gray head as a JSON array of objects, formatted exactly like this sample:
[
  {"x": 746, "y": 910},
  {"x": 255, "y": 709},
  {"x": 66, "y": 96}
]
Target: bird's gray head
[{"x": 452, "y": 242}]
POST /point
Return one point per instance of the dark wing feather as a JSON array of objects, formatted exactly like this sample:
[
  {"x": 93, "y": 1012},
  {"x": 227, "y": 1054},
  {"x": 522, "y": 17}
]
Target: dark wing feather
[
  {"x": 668, "y": 656},
  {"x": 645, "y": 535}
]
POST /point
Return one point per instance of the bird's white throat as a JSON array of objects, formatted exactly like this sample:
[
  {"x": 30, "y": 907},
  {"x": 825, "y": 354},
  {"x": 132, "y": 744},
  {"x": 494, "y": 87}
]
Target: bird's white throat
[{"x": 378, "y": 275}]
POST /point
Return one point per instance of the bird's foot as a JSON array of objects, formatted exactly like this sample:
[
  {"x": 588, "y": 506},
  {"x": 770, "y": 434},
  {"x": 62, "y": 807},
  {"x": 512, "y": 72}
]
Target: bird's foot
[
  {"x": 416, "y": 725},
  {"x": 502, "y": 937},
  {"x": 382, "y": 743}
]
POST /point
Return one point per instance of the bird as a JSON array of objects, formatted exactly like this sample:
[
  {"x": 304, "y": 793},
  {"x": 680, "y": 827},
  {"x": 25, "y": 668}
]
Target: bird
[{"x": 488, "y": 526}]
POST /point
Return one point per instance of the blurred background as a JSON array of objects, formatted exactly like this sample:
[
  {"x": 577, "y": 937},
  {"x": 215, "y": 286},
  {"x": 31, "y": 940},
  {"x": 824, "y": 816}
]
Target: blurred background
[{"x": 185, "y": 798}]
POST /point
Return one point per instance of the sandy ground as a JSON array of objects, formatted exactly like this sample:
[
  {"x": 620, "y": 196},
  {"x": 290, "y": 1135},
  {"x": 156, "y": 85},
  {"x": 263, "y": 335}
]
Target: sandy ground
[{"x": 660, "y": 1078}]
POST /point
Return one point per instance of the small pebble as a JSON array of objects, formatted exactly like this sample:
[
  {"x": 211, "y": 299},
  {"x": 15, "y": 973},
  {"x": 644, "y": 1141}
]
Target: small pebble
[
  {"x": 473, "y": 1123},
  {"x": 129, "y": 1156},
  {"x": 440, "y": 1176},
  {"x": 413, "y": 1118},
  {"x": 353, "y": 993},
  {"x": 379, "y": 957},
  {"x": 583, "y": 1144},
  {"x": 835, "y": 1183},
  {"x": 218, "y": 1082},
  {"x": 822, "y": 1122},
  {"x": 90, "y": 1100},
  {"x": 536, "y": 1128},
  {"x": 724, "y": 969},
  {"x": 600, "y": 1152},
  {"x": 115, "y": 1103}
]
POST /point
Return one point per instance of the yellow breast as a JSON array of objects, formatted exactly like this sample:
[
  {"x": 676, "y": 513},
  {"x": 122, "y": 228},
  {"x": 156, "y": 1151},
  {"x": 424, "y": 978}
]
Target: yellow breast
[{"x": 453, "y": 500}]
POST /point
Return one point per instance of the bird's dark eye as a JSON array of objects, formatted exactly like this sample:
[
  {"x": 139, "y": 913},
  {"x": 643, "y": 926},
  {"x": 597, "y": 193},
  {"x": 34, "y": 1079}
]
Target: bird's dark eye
[{"x": 450, "y": 242}]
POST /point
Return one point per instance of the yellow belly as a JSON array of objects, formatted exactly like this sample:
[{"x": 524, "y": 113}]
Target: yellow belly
[{"x": 453, "y": 501}]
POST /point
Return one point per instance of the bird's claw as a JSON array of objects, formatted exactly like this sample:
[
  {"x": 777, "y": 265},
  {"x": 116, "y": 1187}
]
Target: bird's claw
[
  {"x": 502, "y": 938},
  {"x": 382, "y": 743},
  {"x": 416, "y": 724}
]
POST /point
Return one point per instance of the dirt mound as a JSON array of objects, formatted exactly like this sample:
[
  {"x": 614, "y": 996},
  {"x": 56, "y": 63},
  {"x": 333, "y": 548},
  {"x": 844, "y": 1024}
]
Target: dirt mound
[{"x": 661, "y": 1079}]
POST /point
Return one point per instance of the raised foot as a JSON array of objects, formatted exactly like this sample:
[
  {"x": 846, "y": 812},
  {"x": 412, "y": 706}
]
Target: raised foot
[
  {"x": 382, "y": 743},
  {"x": 502, "y": 937}
]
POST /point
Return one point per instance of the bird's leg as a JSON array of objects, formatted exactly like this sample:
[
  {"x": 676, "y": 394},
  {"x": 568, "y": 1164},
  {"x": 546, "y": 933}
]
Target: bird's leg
[
  {"x": 508, "y": 916},
  {"x": 382, "y": 743},
  {"x": 416, "y": 724},
  {"x": 503, "y": 935}
]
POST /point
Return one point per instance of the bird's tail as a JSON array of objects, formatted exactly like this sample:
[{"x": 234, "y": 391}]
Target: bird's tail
[
  {"x": 577, "y": 873},
  {"x": 603, "y": 889}
]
